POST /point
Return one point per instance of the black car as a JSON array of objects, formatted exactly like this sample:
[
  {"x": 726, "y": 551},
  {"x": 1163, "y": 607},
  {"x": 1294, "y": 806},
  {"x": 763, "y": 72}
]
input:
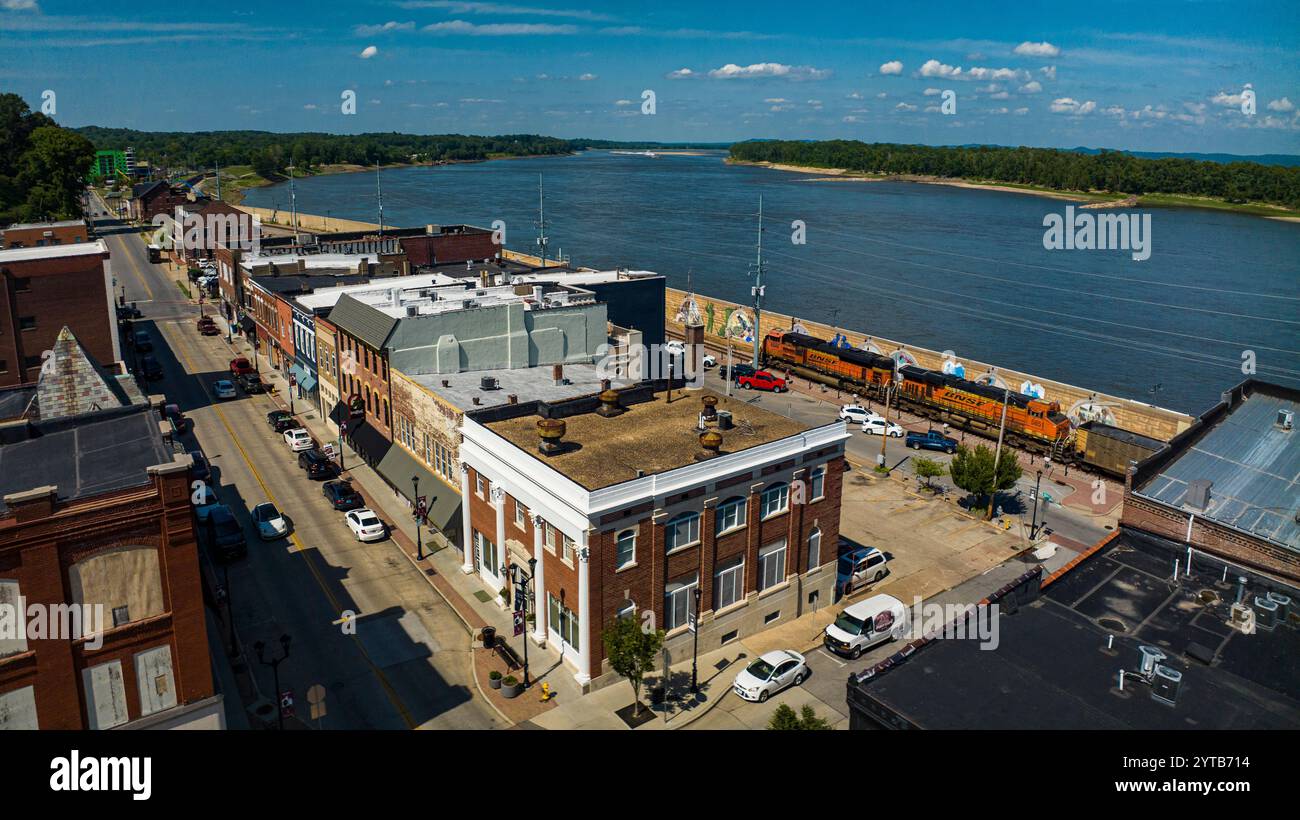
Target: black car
[
  {"x": 283, "y": 422},
  {"x": 142, "y": 341},
  {"x": 151, "y": 368},
  {"x": 274, "y": 417},
  {"x": 251, "y": 383},
  {"x": 225, "y": 535},
  {"x": 736, "y": 371},
  {"x": 341, "y": 495},
  {"x": 199, "y": 471},
  {"x": 317, "y": 464}
]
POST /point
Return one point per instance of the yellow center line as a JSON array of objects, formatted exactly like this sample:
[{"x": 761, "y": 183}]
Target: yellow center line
[{"x": 293, "y": 536}]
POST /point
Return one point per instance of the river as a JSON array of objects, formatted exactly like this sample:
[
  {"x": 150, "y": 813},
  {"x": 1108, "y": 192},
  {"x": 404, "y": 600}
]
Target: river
[{"x": 936, "y": 266}]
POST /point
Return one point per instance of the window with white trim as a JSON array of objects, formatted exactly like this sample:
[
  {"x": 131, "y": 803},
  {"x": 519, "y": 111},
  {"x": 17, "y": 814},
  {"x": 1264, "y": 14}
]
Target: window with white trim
[
  {"x": 480, "y": 486},
  {"x": 570, "y": 547},
  {"x": 729, "y": 582},
  {"x": 679, "y": 600},
  {"x": 731, "y": 514},
  {"x": 625, "y": 549},
  {"x": 814, "y": 549},
  {"x": 682, "y": 531},
  {"x": 817, "y": 484},
  {"x": 521, "y": 515},
  {"x": 564, "y": 622},
  {"x": 771, "y": 564},
  {"x": 775, "y": 500}
]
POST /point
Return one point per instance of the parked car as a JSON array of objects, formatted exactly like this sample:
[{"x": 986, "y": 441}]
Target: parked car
[
  {"x": 736, "y": 371},
  {"x": 880, "y": 427},
  {"x": 270, "y": 523},
  {"x": 224, "y": 389},
  {"x": 867, "y": 623},
  {"x": 151, "y": 368},
  {"x": 317, "y": 464},
  {"x": 762, "y": 380},
  {"x": 205, "y": 501},
  {"x": 770, "y": 674},
  {"x": 280, "y": 420},
  {"x": 366, "y": 526},
  {"x": 857, "y": 414},
  {"x": 142, "y": 341},
  {"x": 933, "y": 440},
  {"x": 341, "y": 495},
  {"x": 299, "y": 439},
  {"x": 863, "y": 565},
  {"x": 208, "y": 326},
  {"x": 199, "y": 470},
  {"x": 240, "y": 365},
  {"x": 225, "y": 536},
  {"x": 709, "y": 361},
  {"x": 251, "y": 383}
]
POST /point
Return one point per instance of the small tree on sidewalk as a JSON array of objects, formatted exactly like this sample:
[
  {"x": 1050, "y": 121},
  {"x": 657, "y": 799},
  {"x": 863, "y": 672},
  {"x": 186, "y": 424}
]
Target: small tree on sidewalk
[
  {"x": 927, "y": 468},
  {"x": 631, "y": 651},
  {"x": 784, "y": 718},
  {"x": 972, "y": 470}
]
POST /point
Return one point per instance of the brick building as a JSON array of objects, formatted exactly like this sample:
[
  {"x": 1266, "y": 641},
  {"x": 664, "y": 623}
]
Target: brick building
[
  {"x": 443, "y": 244},
  {"x": 148, "y": 199},
  {"x": 634, "y": 510},
  {"x": 41, "y": 234},
  {"x": 96, "y": 528},
  {"x": 1227, "y": 485},
  {"x": 43, "y": 289}
]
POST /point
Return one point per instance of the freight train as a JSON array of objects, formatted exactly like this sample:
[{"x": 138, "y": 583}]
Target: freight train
[{"x": 1033, "y": 424}]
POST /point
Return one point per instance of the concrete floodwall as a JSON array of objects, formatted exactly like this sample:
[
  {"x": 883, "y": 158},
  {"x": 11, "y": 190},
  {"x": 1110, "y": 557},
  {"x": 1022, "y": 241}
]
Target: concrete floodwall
[
  {"x": 1139, "y": 417},
  {"x": 307, "y": 222}
]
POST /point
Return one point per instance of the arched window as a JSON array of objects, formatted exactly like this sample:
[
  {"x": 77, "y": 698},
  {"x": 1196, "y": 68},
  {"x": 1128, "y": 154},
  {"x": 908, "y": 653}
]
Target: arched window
[
  {"x": 817, "y": 483},
  {"x": 625, "y": 549},
  {"x": 386, "y": 420},
  {"x": 814, "y": 549},
  {"x": 682, "y": 531},
  {"x": 775, "y": 500},
  {"x": 731, "y": 514}
]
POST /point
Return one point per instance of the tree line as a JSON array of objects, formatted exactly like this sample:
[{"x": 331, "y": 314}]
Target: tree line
[
  {"x": 1109, "y": 171},
  {"x": 43, "y": 167}
]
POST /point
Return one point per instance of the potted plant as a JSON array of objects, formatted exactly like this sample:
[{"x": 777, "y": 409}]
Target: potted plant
[
  {"x": 511, "y": 687},
  {"x": 494, "y": 679}
]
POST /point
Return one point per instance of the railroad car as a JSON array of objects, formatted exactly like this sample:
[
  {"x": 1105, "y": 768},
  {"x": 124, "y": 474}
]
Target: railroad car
[
  {"x": 845, "y": 367},
  {"x": 1031, "y": 422}
]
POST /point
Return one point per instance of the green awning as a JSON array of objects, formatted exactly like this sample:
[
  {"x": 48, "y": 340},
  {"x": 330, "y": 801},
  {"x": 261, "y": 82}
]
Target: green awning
[{"x": 398, "y": 466}]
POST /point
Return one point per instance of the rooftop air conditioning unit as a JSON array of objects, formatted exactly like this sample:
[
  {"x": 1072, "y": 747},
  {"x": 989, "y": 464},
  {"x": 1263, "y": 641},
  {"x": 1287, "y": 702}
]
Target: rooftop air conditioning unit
[
  {"x": 412, "y": 310},
  {"x": 488, "y": 383},
  {"x": 1286, "y": 419},
  {"x": 1265, "y": 613},
  {"x": 1151, "y": 656},
  {"x": 1198, "y": 494},
  {"x": 1283, "y": 605},
  {"x": 1165, "y": 684}
]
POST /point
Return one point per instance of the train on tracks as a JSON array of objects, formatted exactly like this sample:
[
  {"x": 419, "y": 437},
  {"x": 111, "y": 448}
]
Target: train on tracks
[{"x": 1033, "y": 424}]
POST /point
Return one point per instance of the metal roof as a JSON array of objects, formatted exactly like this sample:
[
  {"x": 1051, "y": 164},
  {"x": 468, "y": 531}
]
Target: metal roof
[
  {"x": 362, "y": 321},
  {"x": 1254, "y": 469}
]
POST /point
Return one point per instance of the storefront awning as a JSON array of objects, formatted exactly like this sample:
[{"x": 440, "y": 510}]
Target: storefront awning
[
  {"x": 397, "y": 468},
  {"x": 368, "y": 441},
  {"x": 247, "y": 324},
  {"x": 306, "y": 381}
]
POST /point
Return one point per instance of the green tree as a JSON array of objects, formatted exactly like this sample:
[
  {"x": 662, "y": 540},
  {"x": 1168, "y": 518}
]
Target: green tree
[
  {"x": 928, "y": 469},
  {"x": 631, "y": 651},
  {"x": 784, "y": 719},
  {"x": 973, "y": 471},
  {"x": 53, "y": 170}
]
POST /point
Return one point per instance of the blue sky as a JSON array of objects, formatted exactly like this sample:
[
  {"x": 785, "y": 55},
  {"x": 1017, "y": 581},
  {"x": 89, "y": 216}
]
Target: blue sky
[{"x": 1141, "y": 76}]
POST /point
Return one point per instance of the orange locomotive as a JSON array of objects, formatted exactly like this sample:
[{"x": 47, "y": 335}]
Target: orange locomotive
[{"x": 848, "y": 367}]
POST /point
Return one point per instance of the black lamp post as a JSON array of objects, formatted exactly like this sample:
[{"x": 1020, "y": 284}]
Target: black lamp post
[
  {"x": 1033, "y": 525},
  {"x": 695, "y": 650},
  {"x": 419, "y": 544},
  {"x": 274, "y": 663},
  {"x": 293, "y": 382},
  {"x": 522, "y": 581}
]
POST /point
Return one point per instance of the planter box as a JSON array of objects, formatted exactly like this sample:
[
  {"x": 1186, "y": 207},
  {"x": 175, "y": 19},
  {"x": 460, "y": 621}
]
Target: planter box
[
  {"x": 512, "y": 691},
  {"x": 495, "y": 683}
]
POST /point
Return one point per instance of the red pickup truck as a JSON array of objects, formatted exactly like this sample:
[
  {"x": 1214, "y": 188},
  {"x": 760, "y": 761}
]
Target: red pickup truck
[
  {"x": 762, "y": 380},
  {"x": 239, "y": 366}
]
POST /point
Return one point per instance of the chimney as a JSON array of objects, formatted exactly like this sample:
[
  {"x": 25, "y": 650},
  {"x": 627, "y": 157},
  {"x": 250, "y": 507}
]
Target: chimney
[
  {"x": 429, "y": 230},
  {"x": 537, "y": 294},
  {"x": 557, "y": 374},
  {"x": 550, "y": 431},
  {"x": 484, "y": 278}
]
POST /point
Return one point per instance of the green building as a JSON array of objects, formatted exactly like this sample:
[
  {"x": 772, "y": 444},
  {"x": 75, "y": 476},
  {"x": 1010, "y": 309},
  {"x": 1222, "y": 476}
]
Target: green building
[{"x": 109, "y": 164}]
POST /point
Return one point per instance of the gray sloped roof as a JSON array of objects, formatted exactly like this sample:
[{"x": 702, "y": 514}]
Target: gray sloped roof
[{"x": 371, "y": 326}]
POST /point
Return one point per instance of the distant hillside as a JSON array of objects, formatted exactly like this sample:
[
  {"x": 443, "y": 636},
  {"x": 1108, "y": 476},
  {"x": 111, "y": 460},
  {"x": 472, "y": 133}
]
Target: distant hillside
[{"x": 1286, "y": 160}]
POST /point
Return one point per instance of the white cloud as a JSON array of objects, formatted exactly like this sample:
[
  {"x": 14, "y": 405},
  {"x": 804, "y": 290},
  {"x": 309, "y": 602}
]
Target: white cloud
[
  {"x": 776, "y": 100},
  {"x": 731, "y": 71},
  {"x": 851, "y": 118},
  {"x": 19, "y": 5},
  {"x": 623, "y": 102},
  {"x": 892, "y": 67},
  {"x": 383, "y": 28},
  {"x": 1002, "y": 110},
  {"x": 1114, "y": 111},
  {"x": 310, "y": 106},
  {"x": 934, "y": 68},
  {"x": 1020, "y": 112},
  {"x": 1043, "y": 49},
  {"x": 931, "y": 92},
  {"x": 477, "y": 100},
  {"x": 853, "y": 95},
  {"x": 1283, "y": 104},
  {"x": 1228, "y": 100},
  {"x": 368, "y": 52},
  {"x": 680, "y": 74},
  {"x": 904, "y": 107},
  {"x": 1068, "y": 105},
  {"x": 1048, "y": 71},
  {"x": 1031, "y": 87},
  {"x": 497, "y": 29},
  {"x": 586, "y": 77},
  {"x": 991, "y": 88},
  {"x": 1001, "y": 95},
  {"x": 882, "y": 95},
  {"x": 470, "y": 7}
]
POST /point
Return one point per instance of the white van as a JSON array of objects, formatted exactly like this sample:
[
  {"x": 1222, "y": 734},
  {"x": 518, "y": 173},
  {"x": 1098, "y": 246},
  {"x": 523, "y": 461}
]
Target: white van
[{"x": 859, "y": 627}]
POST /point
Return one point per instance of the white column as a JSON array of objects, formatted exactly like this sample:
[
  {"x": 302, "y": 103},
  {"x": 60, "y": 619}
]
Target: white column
[
  {"x": 466, "y": 534},
  {"x": 584, "y": 611},
  {"x": 498, "y": 495},
  {"x": 542, "y": 611}
]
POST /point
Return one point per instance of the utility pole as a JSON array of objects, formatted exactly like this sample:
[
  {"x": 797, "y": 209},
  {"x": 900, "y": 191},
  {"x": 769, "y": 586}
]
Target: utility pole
[
  {"x": 218, "y": 181},
  {"x": 997, "y": 454},
  {"x": 293, "y": 203},
  {"x": 758, "y": 288},
  {"x": 542, "y": 239},
  {"x": 379, "y": 195},
  {"x": 884, "y": 434}
]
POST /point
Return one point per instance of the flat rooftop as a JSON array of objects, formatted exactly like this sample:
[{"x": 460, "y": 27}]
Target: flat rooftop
[
  {"x": 525, "y": 383},
  {"x": 53, "y": 251},
  {"x": 1253, "y": 466},
  {"x": 654, "y": 436},
  {"x": 63, "y": 223},
  {"x": 1052, "y": 669}
]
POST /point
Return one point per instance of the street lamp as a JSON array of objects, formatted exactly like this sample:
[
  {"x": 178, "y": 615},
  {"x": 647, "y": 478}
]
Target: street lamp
[
  {"x": 419, "y": 545},
  {"x": 1033, "y": 524},
  {"x": 522, "y": 581},
  {"x": 695, "y": 650},
  {"x": 274, "y": 663}
]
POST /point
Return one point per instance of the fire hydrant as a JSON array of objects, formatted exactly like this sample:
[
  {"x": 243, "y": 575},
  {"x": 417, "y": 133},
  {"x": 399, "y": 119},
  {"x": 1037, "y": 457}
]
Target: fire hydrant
[{"x": 546, "y": 692}]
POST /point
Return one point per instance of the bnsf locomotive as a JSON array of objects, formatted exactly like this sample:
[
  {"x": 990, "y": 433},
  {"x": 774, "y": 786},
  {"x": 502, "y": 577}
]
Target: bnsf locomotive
[{"x": 1032, "y": 423}]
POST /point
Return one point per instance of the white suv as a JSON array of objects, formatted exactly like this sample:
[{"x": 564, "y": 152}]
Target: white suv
[{"x": 858, "y": 414}]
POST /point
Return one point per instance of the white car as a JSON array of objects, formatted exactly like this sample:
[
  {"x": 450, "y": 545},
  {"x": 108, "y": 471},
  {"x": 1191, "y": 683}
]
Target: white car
[
  {"x": 709, "y": 360},
  {"x": 366, "y": 526},
  {"x": 770, "y": 674},
  {"x": 857, "y": 414},
  {"x": 224, "y": 389},
  {"x": 880, "y": 427},
  {"x": 270, "y": 523},
  {"x": 298, "y": 439}
]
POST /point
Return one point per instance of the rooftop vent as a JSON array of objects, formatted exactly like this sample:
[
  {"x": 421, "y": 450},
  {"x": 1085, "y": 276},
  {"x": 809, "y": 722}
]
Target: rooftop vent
[
  {"x": 1265, "y": 613},
  {"x": 710, "y": 411},
  {"x": 488, "y": 383},
  {"x": 1198, "y": 494},
  {"x": 412, "y": 310},
  {"x": 557, "y": 374},
  {"x": 711, "y": 444},
  {"x": 1283, "y": 605},
  {"x": 512, "y": 399},
  {"x": 609, "y": 404},
  {"x": 1286, "y": 419},
  {"x": 550, "y": 431},
  {"x": 724, "y": 420}
]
